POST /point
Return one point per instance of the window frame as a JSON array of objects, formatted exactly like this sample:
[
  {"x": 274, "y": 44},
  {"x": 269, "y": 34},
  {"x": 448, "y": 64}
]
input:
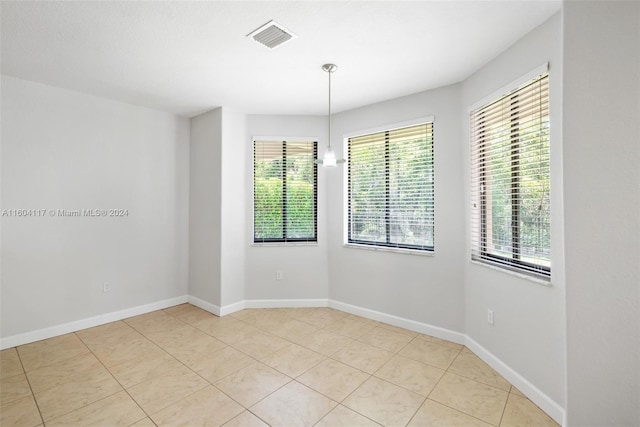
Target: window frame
[
  {"x": 514, "y": 264},
  {"x": 386, "y": 246},
  {"x": 284, "y": 240}
]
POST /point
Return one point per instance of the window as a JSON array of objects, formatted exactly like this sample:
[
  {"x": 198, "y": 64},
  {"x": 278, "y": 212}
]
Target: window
[
  {"x": 285, "y": 184},
  {"x": 510, "y": 180},
  {"x": 390, "y": 188}
]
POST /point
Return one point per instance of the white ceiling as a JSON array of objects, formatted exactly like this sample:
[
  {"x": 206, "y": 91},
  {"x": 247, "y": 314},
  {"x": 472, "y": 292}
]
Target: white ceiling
[{"x": 189, "y": 57}]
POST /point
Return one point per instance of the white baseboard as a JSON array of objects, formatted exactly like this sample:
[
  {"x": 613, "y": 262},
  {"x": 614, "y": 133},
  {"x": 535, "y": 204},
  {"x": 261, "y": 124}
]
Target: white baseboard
[
  {"x": 286, "y": 303},
  {"x": 401, "y": 322},
  {"x": 232, "y": 308},
  {"x": 207, "y": 306},
  {"x": 548, "y": 405},
  {"x": 90, "y": 322}
]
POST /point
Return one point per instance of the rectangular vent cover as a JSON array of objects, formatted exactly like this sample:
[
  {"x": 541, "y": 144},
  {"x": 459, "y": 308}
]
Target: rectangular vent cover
[{"x": 272, "y": 35}]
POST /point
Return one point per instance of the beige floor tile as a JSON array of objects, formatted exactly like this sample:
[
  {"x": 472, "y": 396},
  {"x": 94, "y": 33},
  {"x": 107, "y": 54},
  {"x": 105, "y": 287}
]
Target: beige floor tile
[
  {"x": 433, "y": 414},
  {"x": 350, "y": 327},
  {"x": 176, "y": 310},
  {"x": 206, "y": 407},
  {"x": 342, "y": 416},
  {"x": 73, "y": 387},
  {"x": 9, "y": 363},
  {"x": 216, "y": 324},
  {"x": 384, "y": 402},
  {"x": 156, "y": 321},
  {"x": 261, "y": 344},
  {"x": 295, "y": 312},
  {"x": 145, "y": 422},
  {"x": 363, "y": 356},
  {"x": 399, "y": 330},
  {"x": 429, "y": 353},
  {"x": 517, "y": 392},
  {"x": 320, "y": 317},
  {"x": 385, "y": 338},
  {"x": 294, "y": 330},
  {"x": 253, "y": 383},
  {"x": 409, "y": 374},
  {"x": 107, "y": 335},
  {"x": 14, "y": 388},
  {"x": 158, "y": 393},
  {"x": 116, "y": 410},
  {"x": 268, "y": 320},
  {"x": 333, "y": 379},
  {"x": 232, "y": 334},
  {"x": 521, "y": 412},
  {"x": 441, "y": 342},
  {"x": 246, "y": 419},
  {"x": 80, "y": 391},
  {"x": 191, "y": 353},
  {"x": 50, "y": 351},
  {"x": 177, "y": 337},
  {"x": 144, "y": 368},
  {"x": 324, "y": 342},
  {"x": 22, "y": 412},
  {"x": 126, "y": 350},
  {"x": 75, "y": 369},
  {"x": 189, "y": 313},
  {"x": 249, "y": 315},
  {"x": 471, "y": 397},
  {"x": 471, "y": 366},
  {"x": 293, "y": 405},
  {"x": 293, "y": 360},
  {"x": 261, "y": 318},
  {"x": 220, "y": 364},
  {"x": 373, "y": 323}
]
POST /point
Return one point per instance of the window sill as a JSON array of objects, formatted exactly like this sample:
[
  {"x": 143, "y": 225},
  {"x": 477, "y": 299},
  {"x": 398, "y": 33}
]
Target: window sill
[
  {"x": 523, "y": 276},
  {"x": 390, "y": 249},
  {"x": 279, "y": 244}
]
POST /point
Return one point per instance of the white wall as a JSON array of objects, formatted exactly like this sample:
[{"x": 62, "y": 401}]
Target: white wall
[
  {"x": 601, "y": 117},
  {"x": 304, "y": 267},
  {"x": 205, "y": 193},
  {"x": 66, "y": 150},
  {"x": 426, "y": 289},
  {"x": 217, "y": 226},
  {"x": 233, "y": 237},
  {"x": 528, "y": 332}
]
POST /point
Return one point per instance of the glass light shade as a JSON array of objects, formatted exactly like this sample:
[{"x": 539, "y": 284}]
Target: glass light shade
[{"x": 329, "y": 160}]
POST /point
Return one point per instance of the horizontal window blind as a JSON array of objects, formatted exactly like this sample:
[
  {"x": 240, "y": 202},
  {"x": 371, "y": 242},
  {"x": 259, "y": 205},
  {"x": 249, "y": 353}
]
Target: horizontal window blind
[
  {"x": 390, "y": 188},
  {"x": 510, "y": 180},
  {"x": 284, "y": 191}
]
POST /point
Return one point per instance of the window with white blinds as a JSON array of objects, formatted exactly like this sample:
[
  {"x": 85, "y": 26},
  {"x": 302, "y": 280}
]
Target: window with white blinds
[
  {"x": 510, "y": 174},
  {"x": 285, "y": 188},
  {"x": 390, "y": 188}
]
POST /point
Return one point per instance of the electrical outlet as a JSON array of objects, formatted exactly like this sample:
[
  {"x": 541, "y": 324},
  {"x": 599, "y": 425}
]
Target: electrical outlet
[
  {"x": 490, "y": 317},
  {"x": 106, "y": 287},
  {"x": 279, "y": 275}
]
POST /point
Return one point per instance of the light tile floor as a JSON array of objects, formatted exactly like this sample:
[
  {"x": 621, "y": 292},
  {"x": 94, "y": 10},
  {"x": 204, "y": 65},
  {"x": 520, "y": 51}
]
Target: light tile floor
[{"x": 257, "y": 367}]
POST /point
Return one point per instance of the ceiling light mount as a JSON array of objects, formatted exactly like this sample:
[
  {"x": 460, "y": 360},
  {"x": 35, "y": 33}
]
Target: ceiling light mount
[
  {"x": 329, "y": 160},
  {"x": 329, "y": 68}
]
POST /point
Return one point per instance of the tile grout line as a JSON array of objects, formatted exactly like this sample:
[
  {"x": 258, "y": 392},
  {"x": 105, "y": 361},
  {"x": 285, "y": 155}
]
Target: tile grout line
[
  {"x": 116, "y": 380},
  {"x": 258, "y": 323},
  {"x": 33, "y": 395},
  {"x": 447, "y": 406},
  {"x": 196, "y": 373}
]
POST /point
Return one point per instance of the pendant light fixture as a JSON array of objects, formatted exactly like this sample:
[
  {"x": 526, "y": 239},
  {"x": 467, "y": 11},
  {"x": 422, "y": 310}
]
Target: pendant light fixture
[{"x": 329, "y": 160}]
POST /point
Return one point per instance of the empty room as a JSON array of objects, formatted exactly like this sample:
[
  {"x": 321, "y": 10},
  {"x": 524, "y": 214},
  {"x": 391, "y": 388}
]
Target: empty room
[{"x": 314, "y": 213}]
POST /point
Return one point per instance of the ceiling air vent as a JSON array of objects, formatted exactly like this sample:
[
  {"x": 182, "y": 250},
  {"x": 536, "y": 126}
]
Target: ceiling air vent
[{"x": 272, "y": 35}]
